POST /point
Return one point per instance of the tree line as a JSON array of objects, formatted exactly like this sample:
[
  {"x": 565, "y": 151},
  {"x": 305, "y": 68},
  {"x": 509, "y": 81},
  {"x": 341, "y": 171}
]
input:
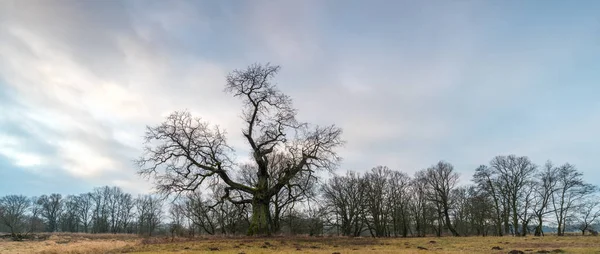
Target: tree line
[
  {"x": 509, "y": 196},
  {"x": 104, "y": 210}
]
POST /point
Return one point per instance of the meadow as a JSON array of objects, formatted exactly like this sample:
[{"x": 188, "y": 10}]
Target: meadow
[{"x": 109, "y": 243}]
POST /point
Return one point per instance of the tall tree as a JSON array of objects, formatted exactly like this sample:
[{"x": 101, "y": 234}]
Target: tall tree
[
  {"x": 442, "y": 179},
  {"x": 182, "y": 152}
]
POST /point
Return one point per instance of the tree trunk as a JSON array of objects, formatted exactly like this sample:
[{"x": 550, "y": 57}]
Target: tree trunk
[
  {"x": 538, "y": 229},
  {"x": 259, "y": 224},
  {"x": 449, "y": 224}
]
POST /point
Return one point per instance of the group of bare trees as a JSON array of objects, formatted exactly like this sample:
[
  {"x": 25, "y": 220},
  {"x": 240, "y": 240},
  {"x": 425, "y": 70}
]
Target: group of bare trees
[
  {"x": 510, "y": 196},
  {"x": 104, "y": 210}
]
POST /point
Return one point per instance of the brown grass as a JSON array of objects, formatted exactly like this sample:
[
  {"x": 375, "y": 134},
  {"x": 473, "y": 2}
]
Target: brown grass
[{"x": 108, "y": 243}]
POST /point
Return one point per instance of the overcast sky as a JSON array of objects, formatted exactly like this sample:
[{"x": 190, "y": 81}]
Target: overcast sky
[{"x": 410, "y": 82}]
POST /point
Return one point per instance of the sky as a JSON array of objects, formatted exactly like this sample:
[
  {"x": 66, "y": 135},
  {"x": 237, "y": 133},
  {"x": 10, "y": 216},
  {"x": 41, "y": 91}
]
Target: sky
[{"x": 410, "y": 82}]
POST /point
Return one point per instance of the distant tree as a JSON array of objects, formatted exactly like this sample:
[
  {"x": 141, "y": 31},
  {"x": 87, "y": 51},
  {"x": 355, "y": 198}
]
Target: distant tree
[
  {"x": 588, "y": 214},
  {"x": 183, "y": 151},
  {"x": 488, "y": 182},
  {"x": 200, "y": 210},
  {"x": 399, "y": 199},
  {"x": 69, "y": 220},
  {"x": 513, "y": 176},
  {"x": 442, "y": 179},
  {"x": 149, "y": 214},
  {"x": 177, "y": 217},
  {"x": 420, "y": 207},
  {"x": 50, "y": 209},
  {"x": 544, "y": 189},
  {"x": 571, "y": 190},
  {"x": 84, "y": 210},
  {"x": 345, "y": 197},
  {"x": 480, "y": 207},
  {"x": 377, "y": 206},
  {"x": 13, "y": 216}
]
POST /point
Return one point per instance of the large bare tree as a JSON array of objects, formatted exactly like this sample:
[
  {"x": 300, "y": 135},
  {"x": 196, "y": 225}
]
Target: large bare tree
[{"x": 183, "y": 152}]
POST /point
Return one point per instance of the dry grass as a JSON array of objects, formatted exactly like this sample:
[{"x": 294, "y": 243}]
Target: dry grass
[
  {"x": 83, "y": 243},
  {"x": 71, "y": 243}
]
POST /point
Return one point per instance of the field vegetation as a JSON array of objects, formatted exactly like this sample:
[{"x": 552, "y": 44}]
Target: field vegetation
[{"x": 128, "y": 243}]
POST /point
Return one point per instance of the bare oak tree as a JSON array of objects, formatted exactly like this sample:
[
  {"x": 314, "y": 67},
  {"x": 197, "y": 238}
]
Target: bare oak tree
[{"x": 183, "y": 152}]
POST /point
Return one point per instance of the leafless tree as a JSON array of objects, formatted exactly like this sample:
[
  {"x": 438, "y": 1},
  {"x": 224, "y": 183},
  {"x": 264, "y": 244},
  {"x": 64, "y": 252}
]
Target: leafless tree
[
  {"x": 513, "y": 175},
  {"x": 461, "y": 210},
  {"x": 588, "y": 213},
  {"x": 149, "y": 214},
  {"x": 345, "y": 197},
  {"x": 50, "y": 210},
  {"x": 442, "y": 179},
  {"x": 480, "y": 207},
  {"x": 84, "y": 210},
  {"x": 377, "y": 190},
  {"x": 420, "y": 205},
  {"x": 200, "y": 211},
  {"x": 177, "y": 215},
  {"x": 399, "y": 199},
  {"x": 544, "y": 189},
  {"x": 525, "y": 210},
  {"x": 487, "y": 181},
  {"x": 14, "y": 208},
  {"x": 69, "y": 220},
  {"x": 571, "y": 189},
  {"x": 184, "y": 151}
]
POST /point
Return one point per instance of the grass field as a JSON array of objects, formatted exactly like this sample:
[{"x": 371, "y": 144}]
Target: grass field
[{"x": 106, "y": 243}]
